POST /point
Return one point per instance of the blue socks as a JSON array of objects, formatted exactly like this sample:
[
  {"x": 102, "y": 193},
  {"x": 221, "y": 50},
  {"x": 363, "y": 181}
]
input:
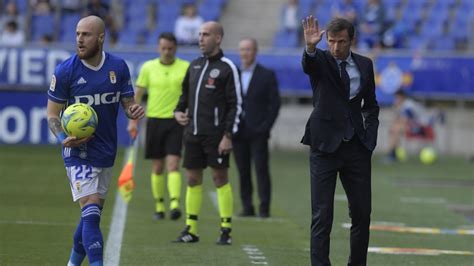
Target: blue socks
[
  {"x": 91, "y": 235},
  {"x": 78, "y": 252}
]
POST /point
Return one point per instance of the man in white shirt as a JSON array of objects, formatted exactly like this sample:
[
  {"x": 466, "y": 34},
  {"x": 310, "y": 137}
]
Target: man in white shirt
[
  {"x": 11, "y": 35},
  {"x": 187, "y": 26}
]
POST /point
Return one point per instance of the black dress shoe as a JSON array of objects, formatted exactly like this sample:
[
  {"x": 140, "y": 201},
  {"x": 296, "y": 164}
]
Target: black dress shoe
[{"x": 247, "y": 214}]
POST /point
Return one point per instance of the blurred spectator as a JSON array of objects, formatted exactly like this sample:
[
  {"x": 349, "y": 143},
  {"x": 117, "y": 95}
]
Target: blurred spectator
[
  {"x": 41, "y": 7},
  {"x": 411, "y": 120},
  {"x": 12, "y": 14},
  {"x": 11, "y": 35},
  {"x": 71, "y": 6},
  {"x": 290, "y": 20},
  {"x": 187, "y": 26},
  {"x": 97, "y": 8},
  {"x": 290, "y": 17},
  {"x": 346, "y": 9},
  {"x": 372, "y": 23},
  {"x": 46, "y": 39},
  {"x": 102, "y": 10},
  {"x": 394, "y": 36}
]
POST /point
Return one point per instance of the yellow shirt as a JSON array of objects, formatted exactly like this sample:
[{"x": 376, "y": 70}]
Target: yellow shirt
[{"x": 163, "y": 83}]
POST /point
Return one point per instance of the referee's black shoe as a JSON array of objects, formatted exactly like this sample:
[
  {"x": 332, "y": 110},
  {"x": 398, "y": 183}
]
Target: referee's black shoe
[
  {"x": 187, "y": 237},
  {"x": 175, "y": 214},
  {"x": 225, "y": 238},
  {"x": 159, "y": 215}
]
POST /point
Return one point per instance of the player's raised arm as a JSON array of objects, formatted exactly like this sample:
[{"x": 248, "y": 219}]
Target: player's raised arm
[
  {"x": 312, "y": 33},
  {"x": 132, "y": 109}
]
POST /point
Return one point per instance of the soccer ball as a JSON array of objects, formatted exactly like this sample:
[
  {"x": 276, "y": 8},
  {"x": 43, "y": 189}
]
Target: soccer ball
[
  {"x": 79, "y": 120},
  {"x": 401, "y": 154},
  {"x": 427, "y": 155}
]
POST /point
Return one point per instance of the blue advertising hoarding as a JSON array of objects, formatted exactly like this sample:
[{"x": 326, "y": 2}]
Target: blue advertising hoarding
[
  {"x": 23, "y": 119},
  {"x": 25, "y": 74}
]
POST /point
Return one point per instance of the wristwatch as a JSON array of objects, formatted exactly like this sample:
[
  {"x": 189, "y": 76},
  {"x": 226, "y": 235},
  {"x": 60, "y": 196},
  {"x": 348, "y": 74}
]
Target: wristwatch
[{"x": 228, "y": 135}]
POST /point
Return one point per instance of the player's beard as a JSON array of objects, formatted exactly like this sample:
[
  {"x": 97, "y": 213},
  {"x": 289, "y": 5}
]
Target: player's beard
[{"x": 88, "y": 53}]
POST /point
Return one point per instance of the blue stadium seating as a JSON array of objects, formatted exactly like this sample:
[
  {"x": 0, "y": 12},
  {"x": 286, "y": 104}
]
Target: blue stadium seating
[
  {"x": 285, "y": 39},
  {"x": 209, "y": 12},
  {"x": 68, "y": 34},
  {"x": 42, "y": 25}
]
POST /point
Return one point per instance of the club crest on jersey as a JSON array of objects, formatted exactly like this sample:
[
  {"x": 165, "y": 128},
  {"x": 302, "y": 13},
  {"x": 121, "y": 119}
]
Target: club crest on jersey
[
  {"x": 52, "y": 86},
  {"x": 113, "y": 78},
  {"x": 78, "y": 186},
  {"x": 83, "y": 154},
  {"x": 214, "y": 73},
  {"x": 210, "y": 83}
]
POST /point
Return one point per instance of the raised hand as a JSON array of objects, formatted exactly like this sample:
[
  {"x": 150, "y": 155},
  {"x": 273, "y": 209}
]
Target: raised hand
[{"x": 312, "y": 34}]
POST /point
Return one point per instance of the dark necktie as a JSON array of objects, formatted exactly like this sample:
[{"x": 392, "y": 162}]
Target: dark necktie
[
  {"x": 349, "y": 129},
  {"x": 345, "y": 79}
]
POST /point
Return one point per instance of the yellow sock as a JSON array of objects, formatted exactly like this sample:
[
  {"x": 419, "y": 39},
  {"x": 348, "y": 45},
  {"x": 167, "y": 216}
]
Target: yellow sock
[
  {"x": 193, "y": 206},
  {"x": 174, "y": 189},
  {"x": 158, "y": 190},
  {"x": 226, "y": 204}
]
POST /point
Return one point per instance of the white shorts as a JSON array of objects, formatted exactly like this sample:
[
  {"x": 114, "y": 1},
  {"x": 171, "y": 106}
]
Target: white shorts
[{"x": 86, "y": 180}]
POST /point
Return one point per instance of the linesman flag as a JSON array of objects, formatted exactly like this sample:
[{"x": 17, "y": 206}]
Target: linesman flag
[{"x": 125, "y": 180}]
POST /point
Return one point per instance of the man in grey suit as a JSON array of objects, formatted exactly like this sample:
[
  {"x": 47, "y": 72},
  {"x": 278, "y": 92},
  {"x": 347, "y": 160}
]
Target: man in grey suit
[{"x": 261, "y": 103}]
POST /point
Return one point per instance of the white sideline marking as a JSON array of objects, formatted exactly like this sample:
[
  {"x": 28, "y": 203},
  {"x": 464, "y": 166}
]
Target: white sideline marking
[
  {"x": 114, "y": 239},
  {"x": 423, "y": 200},
  {"x": 117, "y": 225},
  {"x": 340, "y": 197},
  {"x": 252, "y": 250}
]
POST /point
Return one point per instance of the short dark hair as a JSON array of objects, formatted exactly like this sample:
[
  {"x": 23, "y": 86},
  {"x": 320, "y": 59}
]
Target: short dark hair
[
  {"x": 12, "y": 24},
  {"x": 168, "y": 36},
  {"x": 340, "y": 24},
  {"x": 401, "y": 92}
]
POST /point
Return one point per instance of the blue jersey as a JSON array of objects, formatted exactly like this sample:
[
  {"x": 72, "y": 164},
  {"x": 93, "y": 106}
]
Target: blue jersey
[{"x": 101, "y": 87}]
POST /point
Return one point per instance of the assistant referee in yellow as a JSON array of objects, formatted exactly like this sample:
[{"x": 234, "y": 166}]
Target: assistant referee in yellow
[{"x": 161, "y": 78}]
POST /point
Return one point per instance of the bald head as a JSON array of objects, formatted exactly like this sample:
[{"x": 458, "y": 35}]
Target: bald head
[
  {"x": 248, "y": 52},
  {"x": 210, "y": 38},
  {"x": 214, "y": 27},
  {"x": 94, "y": 23},
  {"x": 90, "y": 35}
]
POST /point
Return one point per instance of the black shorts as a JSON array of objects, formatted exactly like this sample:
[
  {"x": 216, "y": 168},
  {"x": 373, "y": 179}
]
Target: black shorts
[
  {"x": 202, "y": 150},
  {"x": 164, "y": 136}
]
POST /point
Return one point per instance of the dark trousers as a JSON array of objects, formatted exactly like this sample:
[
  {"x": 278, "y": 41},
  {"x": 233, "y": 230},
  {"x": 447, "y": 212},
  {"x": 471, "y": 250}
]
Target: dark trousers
[
  {"x": 353, "y": 163},
  {"x": 256, "y": 149}
]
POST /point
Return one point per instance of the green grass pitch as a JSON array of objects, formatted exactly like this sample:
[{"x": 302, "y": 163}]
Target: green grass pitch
[{"x": 38, "y": 217}]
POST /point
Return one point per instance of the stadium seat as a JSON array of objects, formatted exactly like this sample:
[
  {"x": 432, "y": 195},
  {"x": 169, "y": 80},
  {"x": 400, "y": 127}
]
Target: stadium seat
[
  {"x": 166, "y": 25},
  {"x": 22, "y": 6},
  {"x": 42, "y": 25},
  {"x": 432, "y": 28},
  {"x": 168, "y": 11},
  {"x": 214, "y": 3},
  {"x": 129, "y": 37},
  {"x": 417, "y": 43},
  {"x": 306, "y": 6},
  {"x": 285, "y": 39},
  {"x": 67, "y": 35},
  {"x": 445, "y": 44},
  {"x": 209, "y": 12}
]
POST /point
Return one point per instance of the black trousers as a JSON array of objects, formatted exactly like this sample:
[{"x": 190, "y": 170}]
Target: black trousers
[
  {"x": 246, "y": 150},
  {"x": 353, "y": 163}
]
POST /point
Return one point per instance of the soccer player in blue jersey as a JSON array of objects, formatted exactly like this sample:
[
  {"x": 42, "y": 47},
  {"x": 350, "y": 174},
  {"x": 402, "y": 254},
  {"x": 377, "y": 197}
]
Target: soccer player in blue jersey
[{"x": 103, "y": 81}]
